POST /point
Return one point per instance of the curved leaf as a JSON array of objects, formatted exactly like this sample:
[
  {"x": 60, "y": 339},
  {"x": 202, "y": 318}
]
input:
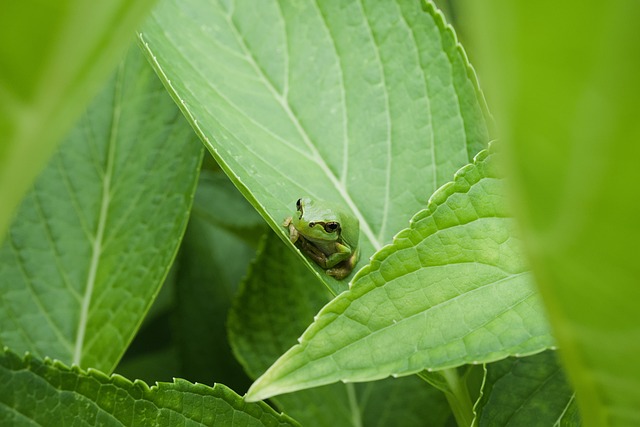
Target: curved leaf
[
  {"x": 370, "y": 104},
  {"x": 96, "y": 235},
  {"x": 34, "y": 392},
  {"x": 451, "y": 290}
]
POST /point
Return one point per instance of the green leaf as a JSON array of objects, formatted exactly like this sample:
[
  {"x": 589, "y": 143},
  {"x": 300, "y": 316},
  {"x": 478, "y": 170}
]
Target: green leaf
[
  {"x": 54, "y": 57},
  {"x": 451, "y": 290},
  {"x": 48, "y": 393},
  {"x": 565, "y": 81},
  {"x": 369, "y": 104},
  {"x": 95, "y": 237},
  {"x": 276, "y": 302},
  {"x": 528, "y": 391}
]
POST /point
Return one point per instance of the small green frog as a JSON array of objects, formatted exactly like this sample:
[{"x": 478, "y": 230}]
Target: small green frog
[{"x": 326, "y": 234}]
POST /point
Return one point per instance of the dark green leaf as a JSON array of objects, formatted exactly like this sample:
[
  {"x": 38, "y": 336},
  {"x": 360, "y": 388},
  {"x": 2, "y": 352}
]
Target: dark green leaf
[
  {"x": 95, "y": 237},
  {"x": 33, "y": 392}
]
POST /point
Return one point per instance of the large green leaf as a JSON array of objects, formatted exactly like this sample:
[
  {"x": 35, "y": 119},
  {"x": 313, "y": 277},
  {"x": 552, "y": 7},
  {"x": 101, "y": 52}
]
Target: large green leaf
[
  {"x": 565, "y": 80},
  {"x": 96, "y": 235},
  {"x": 54, "y": 56},
  {"x": 33, "y": 392},
  {"x": 452, "y": 289},
  {"x": 370, "y": 104},
  {"x": 277, "y": 301}
]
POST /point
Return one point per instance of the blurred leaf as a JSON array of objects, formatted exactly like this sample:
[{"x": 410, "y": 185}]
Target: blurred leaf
[
  {"x": 212, "y": 263},
  {"x": 41, "y": 393},
  {"x": 54, "y": 57},
  {"x": 368, "y": 104},
  {"x": 565, "y": 80},
  {"x": 529, "y": 391},
  {"x": 452, "y": 289},
  {"x": 94, "y": 238},
  {"x": 276, "y": 302}
]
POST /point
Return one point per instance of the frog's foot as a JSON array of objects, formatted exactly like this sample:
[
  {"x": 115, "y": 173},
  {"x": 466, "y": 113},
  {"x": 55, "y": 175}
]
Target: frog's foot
[
  {"x": 343, "y": 269},
  {"x": 340, "y": 271}
]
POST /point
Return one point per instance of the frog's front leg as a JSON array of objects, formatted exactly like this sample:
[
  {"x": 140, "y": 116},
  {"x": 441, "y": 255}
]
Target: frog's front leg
[{"x": 293, "y": 233}]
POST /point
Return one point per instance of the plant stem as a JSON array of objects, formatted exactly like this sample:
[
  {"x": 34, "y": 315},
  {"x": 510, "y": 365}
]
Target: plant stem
[{"x": 455, "y": 390}]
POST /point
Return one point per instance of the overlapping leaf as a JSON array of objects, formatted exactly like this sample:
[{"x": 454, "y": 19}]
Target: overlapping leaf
[
  {"x": 370, "y": 104},
  {"x": 96, "y": 235},
  {"x": 41, "y": 393},
  {"x": 452, "y": 289},
  {"x": 54, "y": 56},
  {"x": 278, "y": 300}
]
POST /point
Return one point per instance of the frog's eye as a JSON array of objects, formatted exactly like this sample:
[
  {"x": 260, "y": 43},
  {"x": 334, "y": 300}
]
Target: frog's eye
[
  {"x": 299, "y": 205},
  {"x": 330, "y": 227}
]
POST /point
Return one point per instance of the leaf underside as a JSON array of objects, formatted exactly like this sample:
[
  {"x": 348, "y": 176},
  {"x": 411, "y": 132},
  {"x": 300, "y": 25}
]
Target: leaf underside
[{"x": 368, "y": 104}]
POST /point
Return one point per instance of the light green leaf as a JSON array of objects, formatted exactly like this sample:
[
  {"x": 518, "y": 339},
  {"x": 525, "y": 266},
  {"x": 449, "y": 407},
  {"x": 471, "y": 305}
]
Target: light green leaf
[
  {"x": 48, "y": 393},
  {"x": 565, "y": 80},
  {"x": 528, "y": 391},
  {"x": 95, "y": 237},
  {"x": 371, "y": 104},
  {"x": 276, "y": 302},
  {"x": 54, "y": 57},
  {"x": 452, "y": 289}
]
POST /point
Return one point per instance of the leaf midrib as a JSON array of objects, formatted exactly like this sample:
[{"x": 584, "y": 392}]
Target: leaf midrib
[
  {"x": 316, "y": 157},
  {"x": 97, "y": 243}
]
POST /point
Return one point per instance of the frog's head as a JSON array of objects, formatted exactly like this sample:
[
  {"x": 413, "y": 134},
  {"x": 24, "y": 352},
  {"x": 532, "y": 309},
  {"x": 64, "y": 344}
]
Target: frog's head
[{"x": 315, "y": 221}]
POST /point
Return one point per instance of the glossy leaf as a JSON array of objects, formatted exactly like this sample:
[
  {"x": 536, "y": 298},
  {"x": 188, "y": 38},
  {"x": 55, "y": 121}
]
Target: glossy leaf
[
  {"x": 369, "y": 104},
  {"x": 565, "y": 81},
  {"x": 528, "y": 391},
  {"x": 34, "y": 392},
  {"x": 54, "y": 57},
  {"x": 451, "y": 290},
  {"x": 277, "y": 301},
  {"x": 95, "y": 237}
]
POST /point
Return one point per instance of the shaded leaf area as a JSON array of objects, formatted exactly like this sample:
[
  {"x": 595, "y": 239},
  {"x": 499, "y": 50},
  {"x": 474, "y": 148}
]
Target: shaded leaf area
[
  {"x": 368, "y": 104},
  {"x": 94, "y": 238},
  {"x": 452, "y": 289},
  {"x": 187, "y": 336},
  {"x": 34, "y": 392},
  {"x": 276, "y": 302},
  {"x": 54, "y": 57},
  {"x": 218, "y": 247},
  {"x": 528, "y": 391}
]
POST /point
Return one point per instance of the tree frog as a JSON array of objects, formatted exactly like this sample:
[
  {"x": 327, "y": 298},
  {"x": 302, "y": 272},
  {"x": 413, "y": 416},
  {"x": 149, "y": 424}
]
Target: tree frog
[{"x": 326, "y": 234}]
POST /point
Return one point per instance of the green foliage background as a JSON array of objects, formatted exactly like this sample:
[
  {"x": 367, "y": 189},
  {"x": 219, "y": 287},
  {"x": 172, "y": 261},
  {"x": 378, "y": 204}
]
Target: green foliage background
[{"x": 129, "y": 241}]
